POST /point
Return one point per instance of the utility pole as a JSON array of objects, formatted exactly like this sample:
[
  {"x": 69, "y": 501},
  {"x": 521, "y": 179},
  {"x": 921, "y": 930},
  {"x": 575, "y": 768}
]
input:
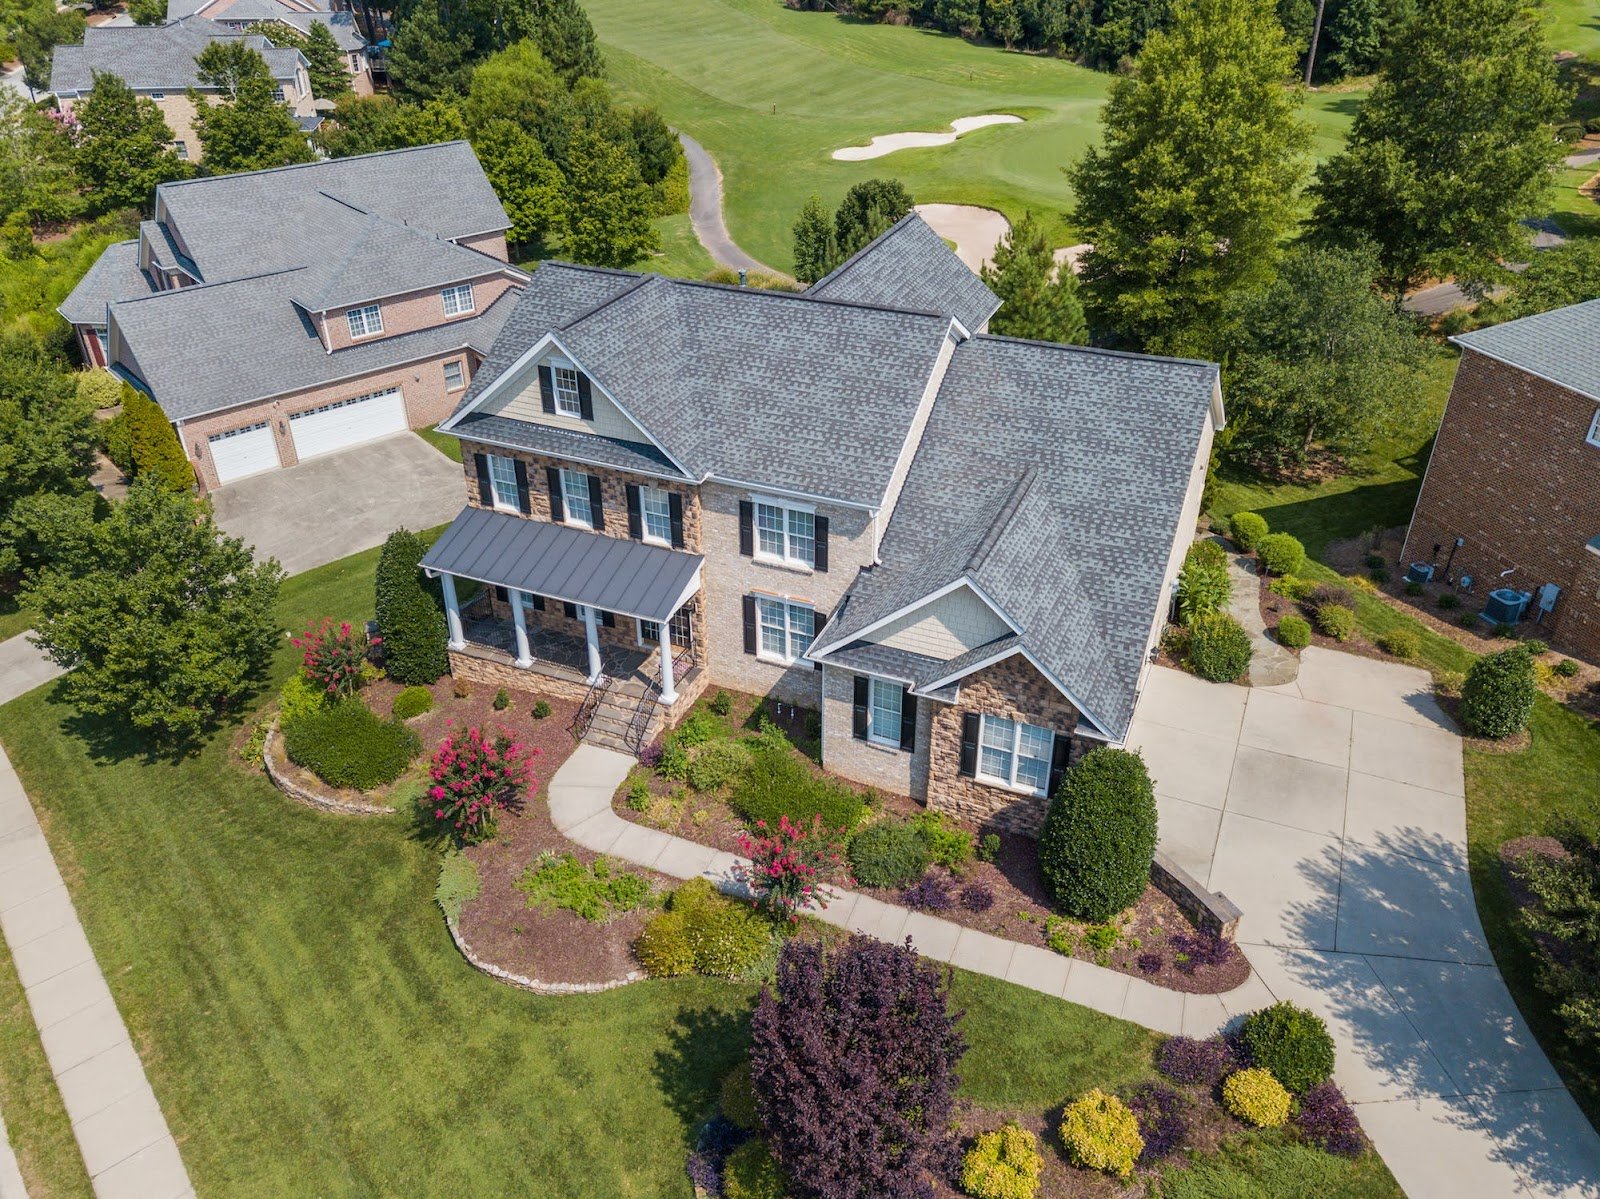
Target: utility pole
[{"x": 1316, "y": 34}]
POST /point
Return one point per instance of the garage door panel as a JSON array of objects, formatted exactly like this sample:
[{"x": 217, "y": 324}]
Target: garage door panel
[
  {"x": 245, "y": 451},
  {"x": 335, "y": 427}
]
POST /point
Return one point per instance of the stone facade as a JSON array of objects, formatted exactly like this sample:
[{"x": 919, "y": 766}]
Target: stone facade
[
  {"x": 889, "y": 768},
  {"x": 476, "y": 667},
  {"x": 1514, "y": 477}
]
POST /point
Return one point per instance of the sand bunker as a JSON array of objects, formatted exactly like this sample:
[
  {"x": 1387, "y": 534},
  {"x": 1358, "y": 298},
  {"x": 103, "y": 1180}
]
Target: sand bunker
[{"x": 888, "y": 143}]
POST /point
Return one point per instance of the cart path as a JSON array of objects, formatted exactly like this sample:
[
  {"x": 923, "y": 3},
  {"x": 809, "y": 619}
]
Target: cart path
[{"x": 705, "y": 211}]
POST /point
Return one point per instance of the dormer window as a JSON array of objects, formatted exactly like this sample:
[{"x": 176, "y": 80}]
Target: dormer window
[
  {"x": 568, "y": 400},
  {"x": 364, "y": 322},
  {"x": 457, "y": 300}
]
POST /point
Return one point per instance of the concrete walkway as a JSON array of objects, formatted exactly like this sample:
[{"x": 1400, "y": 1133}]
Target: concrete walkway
[
  {"x": 1331, "y": 809},
  {"x": 11, "y": 1184},
  {"x": 121, "y": 1132},
  {"x": 1270, "y": 663},
  {"x": 705, "y": 211},
  {"x": 23, "y": 666}
]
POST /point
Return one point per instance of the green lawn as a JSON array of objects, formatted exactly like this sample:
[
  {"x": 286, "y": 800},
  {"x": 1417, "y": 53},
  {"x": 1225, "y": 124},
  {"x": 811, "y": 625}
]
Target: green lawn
[
  {"x": 14, "y": 618},
  {"x": 771, "y": 92},
  {"x": 1573, "y": 25},
  {"x": 446, "y": 443}
]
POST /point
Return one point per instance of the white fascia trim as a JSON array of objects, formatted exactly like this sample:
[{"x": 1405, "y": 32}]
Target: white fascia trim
[
  {"x": 461, "y": 237},
  {"x": 478, "y": 439},
  {"x": 1098, "y": 730},
  {"x": 1219, "y": 414},
  {"x": 435, "y": 572},
  {"x": 489, "y": 272},
  {"x": 1517, "y": 366},
  {"x": 785, "y": 492},
  {"x": 923, "y": 602}
]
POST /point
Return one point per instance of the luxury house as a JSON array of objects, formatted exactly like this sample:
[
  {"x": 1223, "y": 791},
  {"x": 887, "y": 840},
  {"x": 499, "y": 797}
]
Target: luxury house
[
  {"x": 298, "y": 15},
  {"x": 283, "y": 314},
  {"x": 960, "y": 548},
  {"x": 158, "y": 63},
  {"x": 1510, "y": 503}
]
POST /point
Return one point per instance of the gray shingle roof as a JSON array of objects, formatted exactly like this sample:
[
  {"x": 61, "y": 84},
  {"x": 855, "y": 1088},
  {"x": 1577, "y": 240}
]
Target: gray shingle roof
[
  {"x": 565, "y": 443},
  {"x": 341, "y": 24},
  {"x": 910, "y": 267},
  {"x": 385, "y": 258},
  {"x": 563, "y": 563},
  {"x": 155, "y": 57},
  {"x": 202, "y": 349},
  {"x": 1054, "y": 477},
  {"x": 1562, "y": 345},
  {"x": 115, "y": 275}
]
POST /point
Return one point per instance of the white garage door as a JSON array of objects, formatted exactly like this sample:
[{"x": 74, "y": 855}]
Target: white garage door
[
  {"x": 241, "y": 452},
  {"x": 349, "y": 422}
]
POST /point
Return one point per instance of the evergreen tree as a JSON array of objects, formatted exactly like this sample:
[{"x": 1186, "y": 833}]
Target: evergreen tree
[
  {"x": 867, "y": 210},
  {"x": 1358, "y": 34},
  {"x": 815, "y": 251},
  {"x": 153, "y": 444},
  {"x": 565, "y": 37},
  {"x": 124, "y": 146},
  {"x": 609, "y": 205},
  {"x": 409, "y": 612},
  {"x": 368, "y": 124},
  {"x": 1037, "y": 300},
  {"x": 1452, "y": 149},
  {"x": 529, "y": 185},
  {"x": 1196, "y": 178},
  {"x": 248, "y": 131},
  {"x": 654, "y": 145},
  {"x": 429, "y": 60},
  {"x": 325, "y": 62}
]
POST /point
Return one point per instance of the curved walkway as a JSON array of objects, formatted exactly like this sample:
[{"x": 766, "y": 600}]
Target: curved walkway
[{"x": 705, "y": 210}]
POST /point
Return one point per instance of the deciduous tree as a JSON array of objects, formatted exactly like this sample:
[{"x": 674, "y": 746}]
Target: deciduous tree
[
  {"x": 124, "y": 147},
  {"x": 609, "y": 204},
  {"x": 1558, "y": 277},
  {"x": 367, "y": 124},
  {"x": 38, "y": 176},
  {"x": 815, "y": 251},
  {"x": 529, "y": 185},
  {"x": 249, "y": 130},
  {"x": 1036, "y": 299},
  {"x": 868, "y": 209}
]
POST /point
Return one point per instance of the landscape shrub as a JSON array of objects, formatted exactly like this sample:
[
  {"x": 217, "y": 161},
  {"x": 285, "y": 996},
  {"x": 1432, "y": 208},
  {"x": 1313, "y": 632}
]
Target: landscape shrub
[
  {"x": 1100, "y": 1133},
  {"x": 673, "y": 764},
  {"x": 1294, "y": 632},
  {"x": 1291, "y": 1042},
  {"x": 716, "y": 764},
  {"x": 345, "y": 745},
  {"x": 541, "y": 709},
  {"x": 1536, "y": 647},
  {"x": 929, "y": 894},
  {"x": 778, "y": 783},
  {"x": 333, "y": 656},
  {"x": 1402, "y": 643},
  {"x": 458, "y": 883},
  {"x": 1567, "y": 668},
  {"x": 751, "y": 1173},
  {"x": 1325, "y": 594},
  {"x": 1197, "y": 1063},
  {"x": 1099, "y": 836},
  {"x": 1336, "y": 621},
  {"x": 737, "y": 1098},
  {"x": 1003, "y": 1164},
  {"x": 1203, "y": 583},
  {"x": 153, "y": 446},
  {"x": 1202, "y": 948},
  {"x": 412, "y": 701},
  {"x": 977, "y": 897},
  {"x": 1497, "y": 698},
  {"x": 1563, "y": 920},
  {"x": 1163, "y": 1117},
  {"x": 889, "y": 854},
  {"x": 1324, "y": 1118},
  {"x": 1256, "y": 1097},
  {"x": 501, "y": 701},
  {"x": 1504, "y": 632},
  {"x": 1248, "y": 529},
  {"x": 409, "y": 610},
  {"x": 1362, "y": 584},
  {"x": 298, "y": 697},
  {"x": 950, "y": 845},
  {"x": 789, "y": 865},
  {"x": 1219, "y": 648},
  {"x": 721, "y": 703},
  {"x": 1414, "y": 588},
  {"x": 472, "y": 779},
  {"x": 989, "y": 845},
  {"x": 1281, "y": 554},
  {"x": 697, "y": 728},
  {"x": 702, "y": 932},
  {"x": 1292, "y": 587},
  {"x": 639, "y": 795},
  {"x": 1448, "y": 601},
  {"x": 597, "y": 893}
]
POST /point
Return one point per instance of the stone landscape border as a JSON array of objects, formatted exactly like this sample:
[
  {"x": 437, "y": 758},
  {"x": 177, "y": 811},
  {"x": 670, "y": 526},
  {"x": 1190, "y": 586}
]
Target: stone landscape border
[
  {"x": 537, "y": 986},
  {"x": 1210, "y": 911},
  {"x": 306, "y": 795}
]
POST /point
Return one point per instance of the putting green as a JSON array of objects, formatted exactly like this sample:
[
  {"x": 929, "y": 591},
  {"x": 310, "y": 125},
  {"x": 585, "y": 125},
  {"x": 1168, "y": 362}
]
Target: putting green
[{"x": 772, "y": 92}]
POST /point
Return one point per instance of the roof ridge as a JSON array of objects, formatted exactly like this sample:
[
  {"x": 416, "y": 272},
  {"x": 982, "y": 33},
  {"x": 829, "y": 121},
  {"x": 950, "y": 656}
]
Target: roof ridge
[
  {"x": 1002, "y": 518},
  {"x": 641, "y": 282},
  {"x": 806, "y": 296},
  {"x": 1099, "y": 350},
  {"x": 196, "y": 288},
  {"x": 300, "y": 166},
  {"x": 859, "y": 254}
]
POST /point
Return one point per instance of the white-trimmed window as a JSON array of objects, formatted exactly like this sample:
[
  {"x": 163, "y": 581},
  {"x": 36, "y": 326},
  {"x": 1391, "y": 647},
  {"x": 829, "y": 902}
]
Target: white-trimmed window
[
  {"x": 277, "y": 94},
  {"x": 457, "y": 299},
  {"x": 785, "y": 534},
  {"x": 655, "y": 515},
  {"x": 575, "y": 498},
  {"x": 1014, "y": 754},
  {"x": 365, "y": 321},
  {"x": 503, "y": 482},
  {"x": 884, "y": 700},
  {"x": 455, "y": 377},
  {"x": 649, "y": 632},
  {"x": 1594, "y": 430},
  {"x": 785, "y": 630},
  {"x": 568, "y": 401},
  {"x": 181, "y": 149}
]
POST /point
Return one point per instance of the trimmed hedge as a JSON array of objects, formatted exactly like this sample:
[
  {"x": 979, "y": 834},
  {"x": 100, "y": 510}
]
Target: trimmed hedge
[
  {"x": 409, "y": 612},
  {"x": 345, "y": 745},
  {"x": 890, "y": 854},
  {"x": 1294, "y": 632},
  {"x": 413, "y": 701},
  {"x": 1402, "y": 643},
  {"x": 1497, "y": 698},
  {"x": 1281, "y": 554},
  {"x": 778, "y": 784},
  {"x": 1099, "y": 836},
  {"x": 1100, "y": 1133},
  {"x": 1292, "y": 1043},
  {"x": 1257, "y": 1098},
  {"x": 1336, "y": 621},
  {"x": 1248, "y": 529},
  {"x": 1219, "y": 648}
]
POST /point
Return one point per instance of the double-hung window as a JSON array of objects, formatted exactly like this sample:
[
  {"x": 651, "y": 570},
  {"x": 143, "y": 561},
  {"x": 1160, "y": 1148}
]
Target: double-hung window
[
  {"x": 503, "y": 482},
  {"x": 785, "y": 629},
  {"x": 458, "y": 299},
  {"x": 785, "y": 534},
  {"x": 1014, "y": 754},
  {"x": 277, "y": 94},
  {"x": 568, "y": 401},
  {"x": 455, "y": 377},
  {"x": 655, "y": 515},
  {"x": 365, "y": 321},
  {"x": 575, "y": 498},
  {"x": 884, "y": 700},
  {"x": 1594, "y": 430}
]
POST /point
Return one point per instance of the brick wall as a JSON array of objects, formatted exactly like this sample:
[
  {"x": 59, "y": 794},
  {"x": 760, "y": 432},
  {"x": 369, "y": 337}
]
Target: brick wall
[
  {"x": 1513, "y": 476},
  {"x": 888, "y": 768},
  {"x": 492, "y": 244},
  {"x": 410, "y": 312}
]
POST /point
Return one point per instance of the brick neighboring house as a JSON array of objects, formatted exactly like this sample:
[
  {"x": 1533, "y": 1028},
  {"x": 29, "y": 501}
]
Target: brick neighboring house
[
  {"x": 298, "y": 15},
  {"x": 1515, "y": 473},
  {"x": 158, "y": 63},
  {"x": 284, "y": 314},
  {"x": 959, "y": 548}
]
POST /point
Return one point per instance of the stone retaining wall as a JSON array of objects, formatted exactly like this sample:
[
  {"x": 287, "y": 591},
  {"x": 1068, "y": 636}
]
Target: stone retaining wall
[
  {"x": 534, "y": 984},
  {"x": 307, "y": 795},
  {"x": 1207, "y": 910}
]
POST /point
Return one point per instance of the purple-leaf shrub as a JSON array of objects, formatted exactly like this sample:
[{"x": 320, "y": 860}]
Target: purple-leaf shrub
[
  {"x": 1203, "y": 949},
  {"x": 1163, "y": 1120},
  {"x": 930, "y": 894},
  {"x": 1150, "y": 962},
  {"x": 977, "y": 897},
  {"x": 718, "y": 1137},
  {"x": 853, "y": 1060},
  {"x": 1326, "y": 1120},
  {"x": 650, "y": 757},
  {"x": 1186, "y": 1060}
]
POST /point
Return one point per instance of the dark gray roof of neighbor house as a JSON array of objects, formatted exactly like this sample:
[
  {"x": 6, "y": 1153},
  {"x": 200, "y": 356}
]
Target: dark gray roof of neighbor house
[
  {"x": 564, "y": 443},
  {"x": 1562, "y": 345},
  {"x": 910, "y": 267},
  {"x": 210, "y": 347},
  {"x": 341, "y": 24},
  {"x": 1054, "y": 478},
  {"x": 155, "y": 57},
  {"x": 384, "y": 257},
  {"x": 610, "y": 573},
  {"x": 115, "y": 275}
]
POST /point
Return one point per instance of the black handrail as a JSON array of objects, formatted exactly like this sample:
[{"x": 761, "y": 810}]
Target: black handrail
[{"x": 589, "y": 706}]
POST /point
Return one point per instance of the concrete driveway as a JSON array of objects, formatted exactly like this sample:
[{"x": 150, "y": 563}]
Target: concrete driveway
[
  {"x": 1331, "y": 810},
  {"x": 332, "y": 507}
]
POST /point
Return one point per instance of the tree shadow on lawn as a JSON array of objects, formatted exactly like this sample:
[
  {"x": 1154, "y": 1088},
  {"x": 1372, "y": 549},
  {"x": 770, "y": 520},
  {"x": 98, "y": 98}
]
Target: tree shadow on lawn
[
  {"x": 1339, "y": 514},
  {"x": 703, "y": 1045},
  {"x": 110, "y": 740}
]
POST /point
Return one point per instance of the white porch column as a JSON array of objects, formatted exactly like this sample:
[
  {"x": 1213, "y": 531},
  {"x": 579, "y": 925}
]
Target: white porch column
[
  {"x": 669, "y": 685},
  {"x": 592, "y": 635},
  {"x": 519, "y": 620},
  {"x": 452, "y": 612}
]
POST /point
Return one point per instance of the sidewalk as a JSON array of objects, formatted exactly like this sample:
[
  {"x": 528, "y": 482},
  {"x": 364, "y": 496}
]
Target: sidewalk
[
  {"x": 23, "y": 667},
  {"x": 1270, "y": 663},
  {"x": 580, "y": 807},
  {"x": 121, "y": 1132}
]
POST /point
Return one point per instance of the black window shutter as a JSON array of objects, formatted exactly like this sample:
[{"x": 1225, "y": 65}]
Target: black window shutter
[
  {"x": 675, "y": 511},
  {"x": 749, "y": 624},
  {"x": 558, "y": 510},
  {"x": 635, "y": 519},
  {"x": 820, "y": 560},
  {"x": 858, "y": 715},
  {"x": 908, "y": 720},
  {"x": 585, "y": 398},
  {"x": 608, "y": 619},
  {"x": 524, "y": 499},
  {"x": 547, "y": 389},
  {"x": 596, "y": 504},
  {"x": 1060, "y": 751},
  {"x": 818, "y": 620},
  {"x": 969, "y": 745},
  {"x": 538, "y": 603},
  {"x": 747, "y": 530},
  {"x": 485, "y": 488},
  {"x": 571, "y": 610}
]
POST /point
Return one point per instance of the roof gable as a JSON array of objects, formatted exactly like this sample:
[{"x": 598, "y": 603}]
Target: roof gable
[
  {"x": 1562, "y": 346},
  {"x": 909, "y": 266}
]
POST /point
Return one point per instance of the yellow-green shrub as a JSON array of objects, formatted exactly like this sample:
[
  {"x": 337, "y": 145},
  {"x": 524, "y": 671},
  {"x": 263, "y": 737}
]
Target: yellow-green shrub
[
  {"x": 750, "y": 1173},
  {"x": 1100, "y": 1133},
  {"x": 702, "y": 932},
  {"x": 1004, "y": 1164},
  {"x": 1256, "y": 1098}
]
